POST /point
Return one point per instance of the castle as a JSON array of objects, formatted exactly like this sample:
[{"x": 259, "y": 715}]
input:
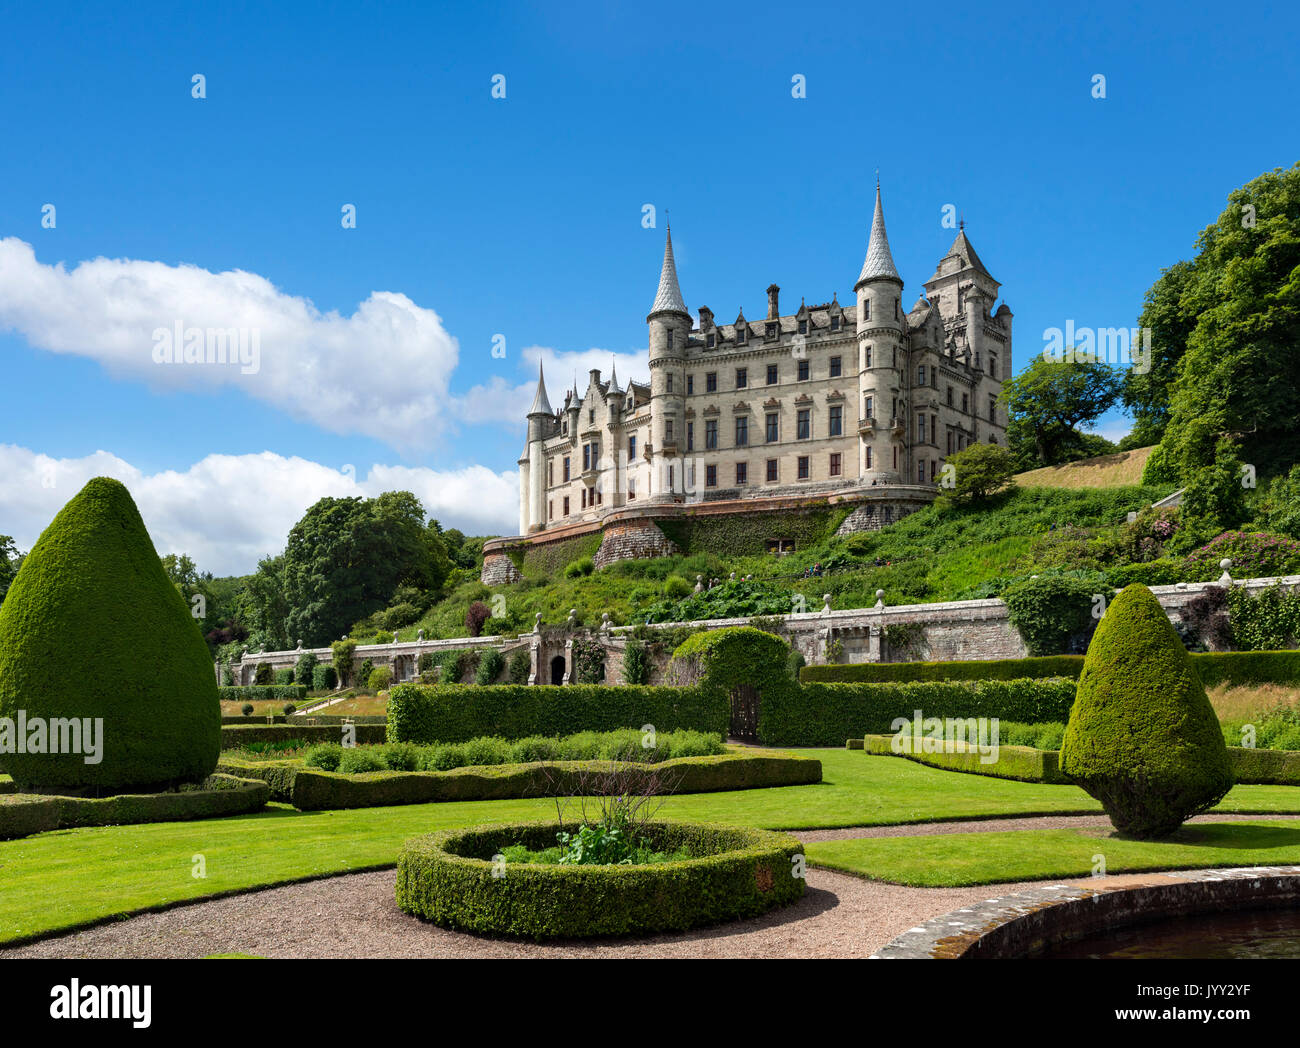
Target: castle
[{"x": 858, "y": 402}]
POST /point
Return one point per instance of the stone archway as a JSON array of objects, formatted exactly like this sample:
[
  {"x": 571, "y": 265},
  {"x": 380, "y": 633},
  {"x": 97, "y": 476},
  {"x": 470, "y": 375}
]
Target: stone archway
[{"x": 558, "y": 669}]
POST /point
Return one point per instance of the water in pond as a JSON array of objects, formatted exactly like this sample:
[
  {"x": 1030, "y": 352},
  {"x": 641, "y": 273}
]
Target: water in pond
[{"x": 1228, "y": 936}]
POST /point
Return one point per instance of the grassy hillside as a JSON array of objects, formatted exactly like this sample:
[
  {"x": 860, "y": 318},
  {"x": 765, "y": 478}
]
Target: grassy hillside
[
  {"x": 1104, "y": 471},
  {"x": 939, "y": 553}
]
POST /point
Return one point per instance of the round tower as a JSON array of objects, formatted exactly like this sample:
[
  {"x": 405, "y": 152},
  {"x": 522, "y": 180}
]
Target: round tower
[
  {"x": 670, "y": 327},
  {"x": 882, "y": 359},
  {"x": 532, "y": 496}
]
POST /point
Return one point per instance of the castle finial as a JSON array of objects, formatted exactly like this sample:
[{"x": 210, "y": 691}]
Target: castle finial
[
  {"x": 541, "y": 404},
  {"x": 668, "y": 299},
  {"x": 879, "y": 262}
]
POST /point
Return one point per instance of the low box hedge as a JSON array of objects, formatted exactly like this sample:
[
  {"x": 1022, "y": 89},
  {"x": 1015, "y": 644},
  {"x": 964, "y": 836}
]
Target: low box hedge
[
  {"x": 1215, "y": 667},
  {"x": 449, "y": 878},
  {"x": 22, "y": 814},
  {"x": 827, "y": 714},
  {"x": 262, "y": 692},
  {"x": 277, "y": 774},
  {"x": 311, "y": 789},
  {"x": 1265, "y": 767},
  {"x": 427, "y": 713},
  {"x": 233, "y": 736},
  {"x": 1023, "y": 763}
]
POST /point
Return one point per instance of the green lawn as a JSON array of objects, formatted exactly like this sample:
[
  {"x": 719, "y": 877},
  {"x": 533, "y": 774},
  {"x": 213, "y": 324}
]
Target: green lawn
[
  {"x": 70, "y": 877},
  {"x": 1027, "y": 855}
]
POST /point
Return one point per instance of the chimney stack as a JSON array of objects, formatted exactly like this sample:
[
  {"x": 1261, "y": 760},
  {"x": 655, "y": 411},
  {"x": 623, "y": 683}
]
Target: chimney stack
[{"x": 773, "y": 310}]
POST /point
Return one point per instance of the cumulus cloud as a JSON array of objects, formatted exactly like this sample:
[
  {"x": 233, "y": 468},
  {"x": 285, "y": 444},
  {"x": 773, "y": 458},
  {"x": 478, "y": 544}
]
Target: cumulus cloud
[
  {"x": 229, "y": 511},
  {"x": 383, "y": 371}
]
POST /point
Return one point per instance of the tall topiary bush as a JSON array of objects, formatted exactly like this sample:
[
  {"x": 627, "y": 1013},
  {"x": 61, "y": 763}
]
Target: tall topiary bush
[
  {"x": 93, "y": 591},
  {"x": 305, "y": 670},
  {"x": 1142, "y": 737}
]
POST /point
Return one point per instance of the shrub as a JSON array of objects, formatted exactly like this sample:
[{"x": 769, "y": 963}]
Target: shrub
[
  {"x": 246, "y": 709},
  {"x": 486, "y": 750},
  {"x": 534, "y": 748},
  {"x": 93, "y": 590},
  {"x": 284, "y": 676},
  {"x": 475, "y": 615},
  {"x": 520, "y": 666},
  {"x": 344, "y": 654},
  {"x": 263, "y": 674},
  {"x": 400, "y": 756},
  {"x": 1052, "y": 611},
  {"x": 1142, "y": 737},
  {"x": 738, "y": 657},
  {"x": 289, "y": 709},
  {"x": 449, "y": 878},
  {"x": 357, "y": 759},
  {"x": 324, "y": 678},
  {"x": 588, "y": 661},
  {"x": 1270, "y": 620},
  {"x": 579, "y": 568},
  {"x": 992, "y": 669},
  {"x": 1253, "y": 554},
  {"x": 304, "y": 672},
  {"x": 325, "y": 756},
  {"x": 1165, "y": 571},
  {"x": 379, "y": 679},
  {"x": 676, "y": 588},
  {"x": 636, "y": 663},
  {"x": 382, "y": 637},
  {"x": 263, "y": 693},
  {"x": 490, "y": 664}
]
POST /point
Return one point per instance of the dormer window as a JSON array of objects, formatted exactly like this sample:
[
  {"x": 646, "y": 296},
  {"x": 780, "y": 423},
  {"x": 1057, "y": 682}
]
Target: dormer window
[
  {"x": 803, "y": 327},
  {"x": 835, "y": 322},
  {"x": 771, "y": 330},
  {"x": 709, "y": 340},
  {"x": 740, "y": 335}
]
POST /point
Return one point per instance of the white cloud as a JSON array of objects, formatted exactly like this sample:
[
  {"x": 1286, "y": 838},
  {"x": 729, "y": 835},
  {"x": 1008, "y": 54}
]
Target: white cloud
[
  {"x": 383, "y": 371},
  {"x": 228, "y": 511}
]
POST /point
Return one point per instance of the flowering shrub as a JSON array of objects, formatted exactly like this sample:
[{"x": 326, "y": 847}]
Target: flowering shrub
[{"x": 1253, "y": 554}]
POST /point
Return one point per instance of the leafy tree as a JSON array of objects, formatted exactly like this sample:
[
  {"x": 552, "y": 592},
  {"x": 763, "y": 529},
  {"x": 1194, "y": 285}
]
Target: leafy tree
[
  {"x": 1278, "y": 508},
  {"x": 1048, "y": 401},
  {"x": 979, "y": 470},
  {"x": 266, "y": 606},
  {"x": 10, "y": 561},
  {"x": 1146, "y": 395},
  {"x": 1242, "y": 297},
  {"x": 1215, "y": 499}
]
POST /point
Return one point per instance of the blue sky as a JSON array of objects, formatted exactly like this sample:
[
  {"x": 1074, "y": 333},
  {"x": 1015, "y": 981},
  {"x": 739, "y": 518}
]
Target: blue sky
[{"x": 522, "y": 216}]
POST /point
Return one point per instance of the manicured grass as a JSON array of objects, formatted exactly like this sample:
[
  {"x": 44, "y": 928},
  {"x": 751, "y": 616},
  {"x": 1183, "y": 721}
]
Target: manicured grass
[
  {"x": 1026, "y": 855},
  {"x": 57, "y": 880}
]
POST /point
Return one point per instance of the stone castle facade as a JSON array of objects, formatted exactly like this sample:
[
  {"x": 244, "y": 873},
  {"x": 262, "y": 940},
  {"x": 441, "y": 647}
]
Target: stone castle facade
[{"x": 834, "y": 400}]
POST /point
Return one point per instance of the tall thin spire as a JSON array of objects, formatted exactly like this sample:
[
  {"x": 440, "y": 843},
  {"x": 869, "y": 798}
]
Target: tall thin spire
[
  {"x": 613, "y": 375},
  {"x": 541, "y": 404},
  {"x": 879, "y": 262},
  {"x": 669, "y": 297}
]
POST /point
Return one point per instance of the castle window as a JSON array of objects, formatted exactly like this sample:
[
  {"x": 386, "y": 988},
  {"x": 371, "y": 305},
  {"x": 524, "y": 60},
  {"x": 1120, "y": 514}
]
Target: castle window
[
  {"x": 591, "y": 416},
  {"x": 920, "y": 472},
  {"x": 920, "y": 375},
  {"x": 993, "y": 365},
  {"x": 670, "y": 382},
  {"x": 870, "y": 457},
  {"x": 709, "y": 340},
  {"x": 920, "y": 429},
  {"x": 566, "y": 505},
  {"x": 803, "y": 327},
  {"x": 895, "y": 317},
  {"x": 631, "y": 447},
  {"x": 866, "y": 309},
  {"x": 895, "y": 456},
  {"x": 631, "y": 489},
  {"x": 771, "y": 469},
  {"x": 550, "y": 473},
  {"x": 949, "y": 442},
  {"x": 993, "y": 408},
  {"x": 803, "y": 467},
  {"x": 836, "y": 468},
  {"x": 835, "y": 322},
  {"x": 586, "y": 457},
  {"x": 770, "y": 331},
  {"x": 803, "y": 371},
  {"x": 564, "y": 428},
  {"x": 934, "y": 430},
  {"x": 629, "y": 403},
  {"x": 835, "y": 367},
  {"x": 671, "y": 486},
  {"x": 690, "y": 384},
  {"x": 566, "y": 471},
  {"x": 773, "y": 421},
  {"x": 771, "y": 374},
  {"x": 668, "y": 431},
  {"x": 866, "y": 406},
  {"x": 742, "y": 473},
  {"x": 868, "y": 361},
  {"x": 584, "y": 498},
  {"x": 836, "y": 420},
  {"x": 950, "y": 396},
  {"x": 742, "y": 378},
  {"x": 934, "y": 378},
  {"x": 690, "y": 436},
  {"x": 711, "y": 382},
  {"x": 933, "y": 463},
  {"x": 711, "y": 434},
  {"x": 965, "y": 403},
  {"x": 710, "y": 476},
  {"x": 670, "y": 338},
  {"x": 550, "y": 509},
  {"x": 803, "y": 426},
  {"x": 742, "y": 431},
  {"x": 741, "y": 331},
  {"x": 977, "y": 360}
]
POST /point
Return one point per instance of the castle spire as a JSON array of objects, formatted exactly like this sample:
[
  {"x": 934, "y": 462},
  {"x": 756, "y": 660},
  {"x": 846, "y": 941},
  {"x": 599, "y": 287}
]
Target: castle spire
[
  {"x": 879, "y": 262},
  {"x": 668, "y": 299},
  {"x": 541, "y": 404},
  {"x": 613, "y": 376}
]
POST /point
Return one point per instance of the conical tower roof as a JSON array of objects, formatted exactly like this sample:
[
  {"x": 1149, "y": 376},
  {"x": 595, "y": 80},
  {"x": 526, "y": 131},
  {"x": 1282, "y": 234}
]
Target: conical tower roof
[
  {"x": 668, "y": 299},
  {"x": 965, "y": 250},
  {"x": 879, "y": 263},
  {"x": 613, "y": 378},
  {"x": 541, "y": 404}
]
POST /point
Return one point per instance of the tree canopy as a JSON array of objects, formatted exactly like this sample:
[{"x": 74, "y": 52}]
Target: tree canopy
[{"x": 1046, "y": 404}]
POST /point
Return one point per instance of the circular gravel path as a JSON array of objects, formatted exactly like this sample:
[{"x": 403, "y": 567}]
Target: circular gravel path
[{"x": 355, "y": 915}]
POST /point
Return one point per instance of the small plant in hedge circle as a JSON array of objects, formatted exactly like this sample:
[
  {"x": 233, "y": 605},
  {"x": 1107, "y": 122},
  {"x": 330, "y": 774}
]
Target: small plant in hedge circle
[
  {"x": 246, "y": 709},
  {"x": 1142, "y": 737}
]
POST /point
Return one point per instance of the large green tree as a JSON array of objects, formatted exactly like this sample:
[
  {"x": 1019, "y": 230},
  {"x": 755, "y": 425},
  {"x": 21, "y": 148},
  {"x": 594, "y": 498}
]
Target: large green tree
[
  {"x": 1240, "y": 295},
  {"x": 1146, "y": 389},
  {"x": 10, "y": 561},
  {"x": 1048, "y": 401}
]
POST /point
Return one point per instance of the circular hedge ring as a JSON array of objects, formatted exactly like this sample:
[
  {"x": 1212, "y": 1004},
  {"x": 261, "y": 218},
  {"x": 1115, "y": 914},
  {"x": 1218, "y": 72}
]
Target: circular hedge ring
[{"x": 450, "y": 878}]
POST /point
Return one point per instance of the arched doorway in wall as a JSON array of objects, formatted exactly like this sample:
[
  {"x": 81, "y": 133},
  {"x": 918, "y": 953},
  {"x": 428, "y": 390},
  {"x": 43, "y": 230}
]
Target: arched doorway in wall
[{"x": 557, "y": 670}]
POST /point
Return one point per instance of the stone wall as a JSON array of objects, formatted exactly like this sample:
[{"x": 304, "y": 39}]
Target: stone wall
[
  {"x": 632, "y": 540},
  {"x": 499, "y": 570}
]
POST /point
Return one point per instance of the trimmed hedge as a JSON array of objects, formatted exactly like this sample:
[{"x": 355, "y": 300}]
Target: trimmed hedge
[
  {"x": 435, "y": 713},
  {"x": 22, "y": 814},
  {"x": 1265, "y": 767},
  {"x": 993, "y": 669},
  {"x": 233, "y": 736},
  {"x": 827, "y": 714},
  {"x": 310, "y": 789},
  {"x": 448, "y": 878},
  {"x": 1215, "y": 667},
  {"x": 262, "y": 692},
  {"x": 1023, "y": 763}
]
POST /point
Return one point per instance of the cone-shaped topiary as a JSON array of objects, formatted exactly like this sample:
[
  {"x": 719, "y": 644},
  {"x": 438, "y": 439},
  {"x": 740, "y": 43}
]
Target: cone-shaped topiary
[
  {"x": 1142, "y": 737},
  {"x": 92, "y": 628}
]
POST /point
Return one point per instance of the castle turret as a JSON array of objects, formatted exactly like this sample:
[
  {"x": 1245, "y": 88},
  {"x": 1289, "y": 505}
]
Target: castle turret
[
  {"x": 670, "y": 327},
  {"x": 882, "y": 360},
  {"x": 532, "y": 493}
]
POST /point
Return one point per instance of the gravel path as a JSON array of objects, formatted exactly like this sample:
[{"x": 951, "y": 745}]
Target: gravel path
[{"x": 355, "y": 915}]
